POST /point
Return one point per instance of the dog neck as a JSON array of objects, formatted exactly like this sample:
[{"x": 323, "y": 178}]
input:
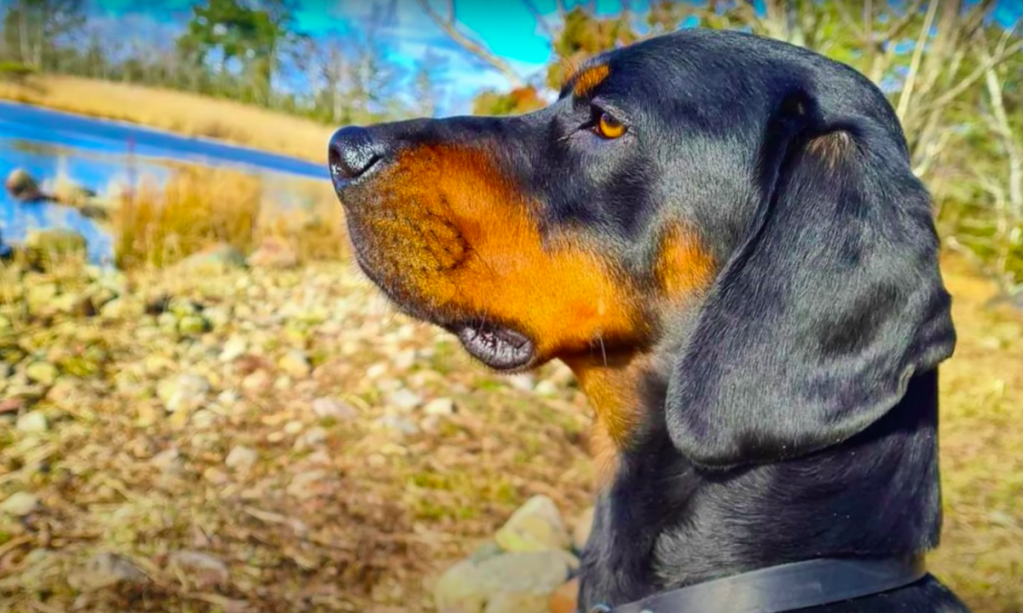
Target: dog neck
[{"x": 663, "y": 523}]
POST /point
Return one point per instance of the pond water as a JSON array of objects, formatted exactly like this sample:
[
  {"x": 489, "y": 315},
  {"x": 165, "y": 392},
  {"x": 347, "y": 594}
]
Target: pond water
[{"x": 99, "y": 154}]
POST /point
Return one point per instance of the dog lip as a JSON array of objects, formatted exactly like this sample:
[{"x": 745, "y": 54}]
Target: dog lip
[{"x": 497, "y": 346}]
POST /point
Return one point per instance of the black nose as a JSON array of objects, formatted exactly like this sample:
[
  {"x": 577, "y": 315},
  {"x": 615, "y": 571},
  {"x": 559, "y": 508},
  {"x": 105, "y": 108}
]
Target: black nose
[{"x": 353, "y": 151}]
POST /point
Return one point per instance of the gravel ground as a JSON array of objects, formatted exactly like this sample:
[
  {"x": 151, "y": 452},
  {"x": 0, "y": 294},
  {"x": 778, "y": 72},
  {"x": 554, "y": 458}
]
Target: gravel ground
[
  {"x": 259, "y": 440},
  {"x": 280, "y": 440}
]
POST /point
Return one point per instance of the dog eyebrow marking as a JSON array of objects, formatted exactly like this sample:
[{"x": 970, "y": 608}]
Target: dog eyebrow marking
[{"x": 588, "y": 80}]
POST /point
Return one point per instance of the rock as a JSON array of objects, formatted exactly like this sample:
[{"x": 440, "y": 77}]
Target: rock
[
  {"x": 43, "y": 373},
  {"x": 440, "y": 406},
  {"x": 273, "y": 253},
  {"x": 485, "y": 551},
  {"x": 522, "y": 581},
  {"x": 11, "y": 405},
  {"x": 241, "y": 457},
  {"x": 215, "y": 258},
  {"x": 397, "y": 424},
  {"x": 193, "y": 324},
  {"x": 404, "y": 399},
  {"x": 522, "y": 381},
  {"x": 535, "y": 526},
  {"x": 215, "y": 476},
  {"x": 55, "y": 241},
  {"x": 234, "y": 348},
  {"x": 546, "y": 388},
  {"x": 22, "y": 187},
  {"x": 257, "y": 382},
  {"x": 104, "y": 570},
  {"x": 182, "y": 307},
  {"x": 19, "y": 504},
  {"x": 218, "y": 316},
  {"x": 202, "y": 570},
  {"x": 314, "y": 437},
  {"x": 167, "y": 460},
  {"x": 120, "y": 308},
  {"x": 41, "y": 295},
  {"x": 565, "y": 598},
  {"x": 583, "y": 526},
  {"x": 304, "y": 484},
  {"x": 335, "y": 409},
  {"x": 184, "y": 392},
  {"x": 204, "y": 419},
  {"x": 33, "y": 422},
  {"x": 295, "y": 364}
]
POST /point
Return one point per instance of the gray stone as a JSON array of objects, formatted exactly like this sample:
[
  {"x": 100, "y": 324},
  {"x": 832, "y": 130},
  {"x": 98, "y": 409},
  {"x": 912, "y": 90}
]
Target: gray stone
[
  {"x": 314, "y": 437},
  {"x": 489, "y": 586},
  {"x": 241, "y": 457},
  {"x": 404, "y": 399},
  {"x": 184, "y": 392},
  {"x": 439, "y": 406},
  {"x": 168, "y": 460},
  {"x": 43, "y": 373},
  {"x": 535, "y": 526},
  {"x": 104, "y": 570},
  {"x": 33, "y": 422},
  {"x": 398, "y": 424},
  {"x": 19, "y": 504},
  {"x": 234, "y": 348},
  {"x": 215, "y": 258},
  {"x": 273, "y": 253},
  {"x": 522, "y": 381},
  {"x": 202, "y": 570},
  {"x": 295, "y": 364},
  {"x": 335, "y": 409},
  {"x": 546, "y": 388}
]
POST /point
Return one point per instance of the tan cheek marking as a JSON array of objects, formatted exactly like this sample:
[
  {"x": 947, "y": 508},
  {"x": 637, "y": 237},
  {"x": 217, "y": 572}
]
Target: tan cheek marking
[
  {"x": 614, "y": 388},
  {"x": 589, "y": 79},
  {"x": 683, "y": 267},
  {"x": 831, "y": 147},
  {"x": 564, "y": 296}
]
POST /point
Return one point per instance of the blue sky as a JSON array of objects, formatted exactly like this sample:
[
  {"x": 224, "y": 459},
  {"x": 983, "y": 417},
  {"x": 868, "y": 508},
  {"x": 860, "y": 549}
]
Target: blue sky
[{"x": 507, "y": 27}]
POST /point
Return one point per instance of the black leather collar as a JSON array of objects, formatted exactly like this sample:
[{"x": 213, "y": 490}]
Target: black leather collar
[{"x": 788, "y": 587}]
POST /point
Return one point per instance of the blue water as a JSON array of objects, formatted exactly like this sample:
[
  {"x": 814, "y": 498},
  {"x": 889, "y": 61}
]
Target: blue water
[{"x": 99, "y": 154}]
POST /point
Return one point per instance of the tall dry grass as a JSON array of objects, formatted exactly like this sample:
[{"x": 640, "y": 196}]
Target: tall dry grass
[
  {"x": 181, "y": 112},
  {"x": 157, "y": 224}
]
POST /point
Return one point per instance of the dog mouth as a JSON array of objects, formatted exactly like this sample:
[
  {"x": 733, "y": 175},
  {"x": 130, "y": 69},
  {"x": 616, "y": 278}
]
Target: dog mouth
[{"x": 498, "y": 347}]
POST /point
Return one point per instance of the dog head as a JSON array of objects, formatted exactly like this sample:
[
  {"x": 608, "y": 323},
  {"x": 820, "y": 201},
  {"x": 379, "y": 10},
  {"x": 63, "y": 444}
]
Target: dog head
[{"x": 730, "y": 214}]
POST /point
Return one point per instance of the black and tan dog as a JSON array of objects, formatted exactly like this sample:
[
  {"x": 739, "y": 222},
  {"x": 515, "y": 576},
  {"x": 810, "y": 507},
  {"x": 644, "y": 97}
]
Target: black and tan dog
[{"x": 722, "y": 237}]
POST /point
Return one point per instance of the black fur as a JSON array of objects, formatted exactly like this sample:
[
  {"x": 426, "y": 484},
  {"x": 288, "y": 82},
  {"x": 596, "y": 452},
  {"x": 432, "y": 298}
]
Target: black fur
[{"x": 795, "y": 413}]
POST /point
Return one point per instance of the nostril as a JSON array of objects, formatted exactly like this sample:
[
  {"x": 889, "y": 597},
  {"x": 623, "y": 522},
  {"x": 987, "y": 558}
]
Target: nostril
[{"x": 352, "y": 152}]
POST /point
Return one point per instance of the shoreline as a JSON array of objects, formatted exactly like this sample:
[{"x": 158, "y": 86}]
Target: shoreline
[{"x": 181, "y": 114}]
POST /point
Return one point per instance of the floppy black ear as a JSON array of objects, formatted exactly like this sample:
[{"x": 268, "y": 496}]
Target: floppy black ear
[{"x": 833, "y": 301}]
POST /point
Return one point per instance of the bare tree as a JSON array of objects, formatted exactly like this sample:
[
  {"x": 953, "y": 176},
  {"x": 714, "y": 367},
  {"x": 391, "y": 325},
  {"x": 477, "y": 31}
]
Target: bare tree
[{"x": 451, "y": 27}]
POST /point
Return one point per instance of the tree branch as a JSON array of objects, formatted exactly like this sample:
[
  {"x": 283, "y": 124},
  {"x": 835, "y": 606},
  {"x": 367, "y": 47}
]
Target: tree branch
[
  {"x": 450, "y": 28},
  {"x": 897, "y": 27},
  {"x": 540, "y": 20},
  {"x": 972, "y": 78},
  {"x": 914, "y": 66}
]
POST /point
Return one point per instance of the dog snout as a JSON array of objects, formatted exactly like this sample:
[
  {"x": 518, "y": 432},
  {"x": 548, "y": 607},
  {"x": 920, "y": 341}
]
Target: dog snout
[{"x": 355, "y": 151}]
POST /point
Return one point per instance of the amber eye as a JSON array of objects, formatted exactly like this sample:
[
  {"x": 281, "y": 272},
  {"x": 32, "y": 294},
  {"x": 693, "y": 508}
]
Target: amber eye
[{"x": 609, "y": 127}]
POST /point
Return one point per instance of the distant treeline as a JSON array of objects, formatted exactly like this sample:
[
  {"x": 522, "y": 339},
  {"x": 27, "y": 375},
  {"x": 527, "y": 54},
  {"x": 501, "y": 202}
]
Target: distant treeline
[{"x": 245, "y": 51}]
